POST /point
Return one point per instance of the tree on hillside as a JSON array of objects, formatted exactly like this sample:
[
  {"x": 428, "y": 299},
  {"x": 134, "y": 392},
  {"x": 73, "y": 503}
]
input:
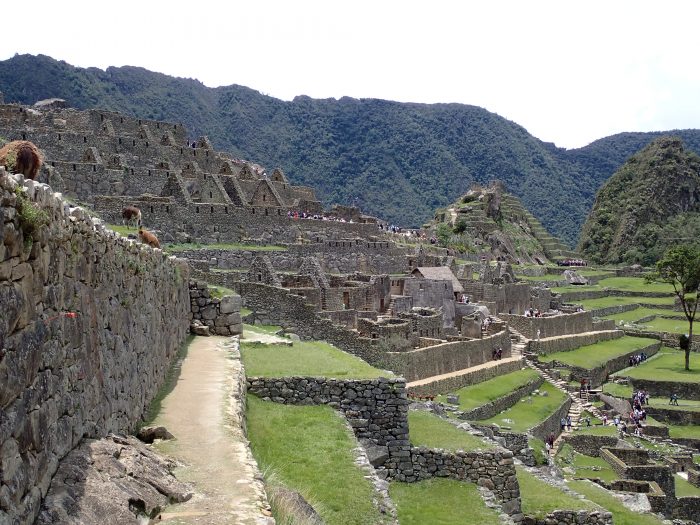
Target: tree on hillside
[{"x": 680, "y": 267}]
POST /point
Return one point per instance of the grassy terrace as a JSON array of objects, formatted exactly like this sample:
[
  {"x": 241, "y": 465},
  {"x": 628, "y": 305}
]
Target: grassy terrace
[
  {"x": 625, "y": 392},
  {"x": 428, "y": 430},
  {"x": 667, "y": 365},
  {"x": 305, "y": 358},
  {"x": 684, "y": 488},
  {"x": 621, "y": 514},
  {"x": 632, "y": 316},
  {"x": 540, "y": 498},
  {"x": 309, "y": 448},
  {"x": 440, "y": 501},
  {"x": 597, "y": 354},
  {"x": 585, "y": 466},
  {"x": 604, "y": 302},
  {"x": 474, "y": 396},
  {"x": 530, "y": 410},
  {"x": 674, "y": 326}
]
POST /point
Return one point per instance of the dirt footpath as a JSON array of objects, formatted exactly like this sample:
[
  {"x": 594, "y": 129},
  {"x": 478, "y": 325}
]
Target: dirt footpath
[{"x": 204, "y": 417}]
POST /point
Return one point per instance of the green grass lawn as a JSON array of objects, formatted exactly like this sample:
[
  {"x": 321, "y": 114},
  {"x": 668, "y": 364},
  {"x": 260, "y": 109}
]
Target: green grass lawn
[
  {"x": 305, "y": 358},
  {"x": 684, "y": 431},
  {"x": 667, "y": 365},
  {"x": 604, "y": 302},
  {"x": 586, "y": 466},
  {"x": 632, "y": 316},
  {"x": 673, "y": 326},
  {"x": 309, "y": 448},
  {"x": 540, "y": 498},
  {"x": 477, "y": 395},
  {"x": 594, "y": 355},
  {"x": 440, "y": 501},
  {"x": 530, "y": 411},
  {"x": 684, "y": 488},
  {"x": 428, "y": 430},
  {"x": 621, "y": 514}
]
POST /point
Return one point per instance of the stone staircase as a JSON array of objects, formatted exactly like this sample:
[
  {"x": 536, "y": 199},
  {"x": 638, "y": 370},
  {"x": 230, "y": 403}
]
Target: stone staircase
[{"x": 578, "y": 404}]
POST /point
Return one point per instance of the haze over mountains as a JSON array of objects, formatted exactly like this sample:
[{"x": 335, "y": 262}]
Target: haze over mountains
[{"x": 399, "y": 161}]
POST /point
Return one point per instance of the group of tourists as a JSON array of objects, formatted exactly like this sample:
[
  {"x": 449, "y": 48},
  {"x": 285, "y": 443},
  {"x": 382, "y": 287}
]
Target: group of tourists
[
  {"x": 497, "y": 353},
  {"x": 533, "y": 313},
  {"x": 636, "y": 359},
  {"x": 315, "y": 216},
  {"x": 572, "y": 262}
]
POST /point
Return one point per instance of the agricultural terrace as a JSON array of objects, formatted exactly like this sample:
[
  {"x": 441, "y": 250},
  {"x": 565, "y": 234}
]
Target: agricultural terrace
[
  {"x": 530, "y": 410},
  {"x": 667, "y": 365},
  {"x": 428, "y": 430},
  {"x": 474, "y": 396},
  {"x": 597, "y": 354}
]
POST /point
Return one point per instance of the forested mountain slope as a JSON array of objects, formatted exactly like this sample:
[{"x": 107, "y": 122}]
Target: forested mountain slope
[
  {"x": 399, "y": 161},
  {"x": 649, "y": 204}
]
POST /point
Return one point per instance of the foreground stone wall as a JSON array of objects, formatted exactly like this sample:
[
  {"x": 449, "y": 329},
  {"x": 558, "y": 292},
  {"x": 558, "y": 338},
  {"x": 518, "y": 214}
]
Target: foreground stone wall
[
  {"x": 552, "y": 425},
  {"x": 377, "y": 411},
  {"x": 90, "y": 324}
]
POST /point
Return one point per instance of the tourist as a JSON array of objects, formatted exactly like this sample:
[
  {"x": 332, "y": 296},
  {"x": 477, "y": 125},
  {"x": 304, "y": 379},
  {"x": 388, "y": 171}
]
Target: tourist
[
  {"x": 568, "y": 423},
  {"x": 548, "y": 447},
  {"x": 674, "y": 399},
  {"x": 563, "y": 424}
]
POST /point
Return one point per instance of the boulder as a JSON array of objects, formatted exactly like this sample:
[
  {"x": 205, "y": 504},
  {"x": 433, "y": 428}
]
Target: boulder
[
  {"x": 573, "y": 277},
  {"x": 150, "y": 434},
  {"x": 111, "y": 480},
  {"x": 295, "y": 504}
]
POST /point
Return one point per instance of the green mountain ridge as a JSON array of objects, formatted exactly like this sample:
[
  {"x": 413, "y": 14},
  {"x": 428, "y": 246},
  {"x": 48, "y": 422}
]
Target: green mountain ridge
[
  {"x": 650, "y": 203},
  {"x": 399, "y": 161}
]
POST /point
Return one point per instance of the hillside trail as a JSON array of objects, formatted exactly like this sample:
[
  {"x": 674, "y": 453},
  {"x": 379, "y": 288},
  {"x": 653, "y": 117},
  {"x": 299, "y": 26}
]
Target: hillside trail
[{"x": 209, "y": 443}]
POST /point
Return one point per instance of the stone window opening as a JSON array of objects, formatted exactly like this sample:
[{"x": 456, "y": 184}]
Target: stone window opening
[
  {"x": 259, "y": 277},
  {"x": 264, "y": 197},
  {"x": 279, "y": 212},
  {"x": 94, "y": 168},
  {"x": 226, "y": 209},
  {"x": 180, "y": 151},
  {"x": 196, "y": 210},
  {"x": 120, "y": 140},
  {"x": 139, "y": 122},
  {"x": 210, "y": 195},
  {"x": 149, "y": 172},
  {"x": 151, "y": 209},
  {"x": 146, "y": 143},
  {"x": 266, "y": 212},
  {"x": 212, "y": 209},
  {"x": 102, "y": 117},
  {"x": 157, "y": 125},
  {"x": 167, "y": 209},
  {"x": 121, "y": 120},
  {"x": 132, "y": 171},
  {"x": 24, "y": 136},
  {"x": 74, "y": 167},
  {"x": 59, "y": 136},
  {"x": 84, "y": 139},
  {"x": 53, "y": 164},
  {"x": 253, "y": 211},
  {"x": 133, "y": 142}
]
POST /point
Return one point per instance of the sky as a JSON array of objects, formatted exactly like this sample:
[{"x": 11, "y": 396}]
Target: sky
[{"x": 570, "y": 72}]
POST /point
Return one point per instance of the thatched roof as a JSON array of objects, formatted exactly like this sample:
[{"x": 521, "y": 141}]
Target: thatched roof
[{"x": 439, "y": 273}]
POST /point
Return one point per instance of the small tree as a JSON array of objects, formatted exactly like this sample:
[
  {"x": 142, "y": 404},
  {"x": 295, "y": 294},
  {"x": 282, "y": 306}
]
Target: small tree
[{"x": 680, "y": 267}]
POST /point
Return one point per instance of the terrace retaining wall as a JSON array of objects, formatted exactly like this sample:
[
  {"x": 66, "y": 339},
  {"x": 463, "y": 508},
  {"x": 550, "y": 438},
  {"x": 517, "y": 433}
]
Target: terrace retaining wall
[
  {"x": 590, "y": 445},
  {"x": 566, "y": 343},
  {"x": 450, "y": 384},
  {"x": 552, "y": 425},
  {"x": 666, "y": 388},
  {"x": 572, "y": 517},
  {"x": 564, "y": 324}
]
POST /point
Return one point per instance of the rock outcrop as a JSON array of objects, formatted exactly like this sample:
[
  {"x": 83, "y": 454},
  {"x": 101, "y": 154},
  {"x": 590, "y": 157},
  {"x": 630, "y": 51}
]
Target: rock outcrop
[{"x": 114, "y": 480}]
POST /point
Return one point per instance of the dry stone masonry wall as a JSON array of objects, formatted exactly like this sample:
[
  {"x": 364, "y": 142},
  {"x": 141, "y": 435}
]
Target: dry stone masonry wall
[
  {"x": 90, "y": 324},
  {"x": 220, "y": 316}
]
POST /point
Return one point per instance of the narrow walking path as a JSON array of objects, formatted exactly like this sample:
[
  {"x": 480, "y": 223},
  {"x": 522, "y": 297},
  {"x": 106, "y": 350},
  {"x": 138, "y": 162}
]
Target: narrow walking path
[
  {"x": 203, "y": 415},
  {"x": 464, "y": 371}
]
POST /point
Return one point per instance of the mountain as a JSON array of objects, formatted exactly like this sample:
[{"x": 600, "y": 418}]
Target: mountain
[
  {"x": 399, "y": 161},
  {"x": 652, "y": 201}
]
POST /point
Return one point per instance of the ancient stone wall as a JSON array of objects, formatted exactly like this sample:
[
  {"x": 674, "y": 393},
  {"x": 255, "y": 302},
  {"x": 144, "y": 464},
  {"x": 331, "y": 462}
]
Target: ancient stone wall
[
  {"x": 674, "y": 417},
  {"x": 588, "y": 444},
  {"x": 573, "y": 517},
  {"x": 90, "y": 325},
  {"x": 222, "y": 316},
  {"x": 447, "y": 357},
  {"x": 377, "y": 411},
  {"x": 571, "y": 342},
  {"x": 687, "y": 508},
  {"x": 556, "y": 325},
  {"x": 552, "y": 425}
]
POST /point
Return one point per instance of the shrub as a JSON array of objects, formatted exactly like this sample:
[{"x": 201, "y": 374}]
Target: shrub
[{"x": 31, "y": 217}]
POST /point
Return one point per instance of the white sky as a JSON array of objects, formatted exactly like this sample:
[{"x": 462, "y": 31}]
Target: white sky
[{"x": 569, "y": 71}]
